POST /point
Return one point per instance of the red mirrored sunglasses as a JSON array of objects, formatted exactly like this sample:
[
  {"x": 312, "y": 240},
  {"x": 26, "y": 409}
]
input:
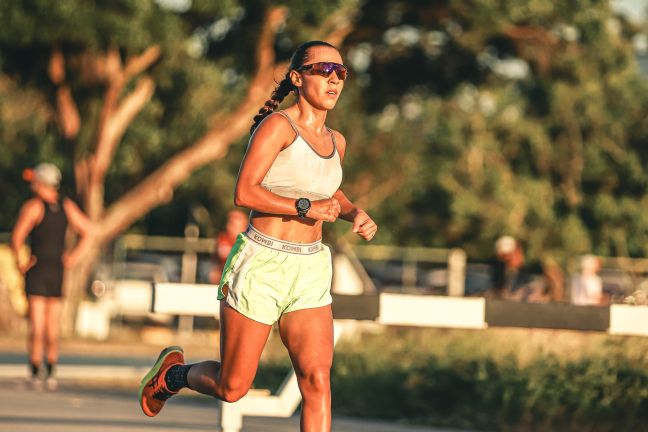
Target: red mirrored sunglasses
[{"x": 325, "y": 69}]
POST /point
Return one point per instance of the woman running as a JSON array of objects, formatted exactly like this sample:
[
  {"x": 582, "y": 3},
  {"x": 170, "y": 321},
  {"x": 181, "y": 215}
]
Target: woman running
[{"x": 279, "y": 270}]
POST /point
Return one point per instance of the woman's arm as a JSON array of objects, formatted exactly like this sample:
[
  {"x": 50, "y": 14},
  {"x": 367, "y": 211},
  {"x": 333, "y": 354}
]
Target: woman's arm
[
  {"x": 268, "y": 140},
  {"x": 30, "y": 215},
  {"x": 81, "y": 225},
  {"x": 363, "y": 225}
]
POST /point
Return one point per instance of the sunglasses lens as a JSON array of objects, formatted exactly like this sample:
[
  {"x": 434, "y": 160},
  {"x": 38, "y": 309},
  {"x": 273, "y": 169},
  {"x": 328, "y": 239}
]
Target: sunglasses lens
[
  {"x": 326, "y": 69},
  {"x": 341, "y": 72}
]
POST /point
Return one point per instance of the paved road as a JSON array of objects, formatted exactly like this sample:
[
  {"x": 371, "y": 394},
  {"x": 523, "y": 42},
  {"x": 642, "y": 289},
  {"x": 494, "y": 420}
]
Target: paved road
[{"x": 75, "y": 410}]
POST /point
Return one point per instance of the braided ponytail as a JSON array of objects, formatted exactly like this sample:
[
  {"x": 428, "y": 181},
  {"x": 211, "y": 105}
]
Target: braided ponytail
[
  {"x": 283, "y": 89},
  {"x": 298, "y": 59}
]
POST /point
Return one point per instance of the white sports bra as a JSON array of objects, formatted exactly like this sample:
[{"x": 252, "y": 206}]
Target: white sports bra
[{"x": 300, "y": 172}]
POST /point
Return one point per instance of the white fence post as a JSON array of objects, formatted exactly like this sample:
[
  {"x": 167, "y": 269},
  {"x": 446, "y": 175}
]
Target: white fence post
[
  {"x": 456, "y": 272},
  {"x": 188, "y": 273}
]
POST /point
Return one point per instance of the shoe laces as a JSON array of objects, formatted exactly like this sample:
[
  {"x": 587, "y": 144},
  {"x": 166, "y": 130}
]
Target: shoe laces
[{"x": 160, "y": 391}]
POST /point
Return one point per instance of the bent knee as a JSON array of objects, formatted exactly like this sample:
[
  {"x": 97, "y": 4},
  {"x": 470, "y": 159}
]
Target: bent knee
[
  {"x": 233, "y": 394},
  {"x": 316, "y": 380},
  {"x": 233, "y": 390}
]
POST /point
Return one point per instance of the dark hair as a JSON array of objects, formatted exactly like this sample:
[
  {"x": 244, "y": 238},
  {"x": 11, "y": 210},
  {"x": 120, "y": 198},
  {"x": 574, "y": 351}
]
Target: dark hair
[{"x": 284, "y": 88}]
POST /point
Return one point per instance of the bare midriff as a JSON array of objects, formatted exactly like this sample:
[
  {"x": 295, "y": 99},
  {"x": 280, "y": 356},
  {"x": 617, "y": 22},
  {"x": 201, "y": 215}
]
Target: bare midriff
[{"x": 289, "y": 228}]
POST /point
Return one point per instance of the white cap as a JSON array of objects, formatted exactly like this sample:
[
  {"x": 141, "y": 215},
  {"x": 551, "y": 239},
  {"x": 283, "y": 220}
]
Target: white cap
[
  {"x": 505, "y": 244},
  {"x": 48, "y": 174}
]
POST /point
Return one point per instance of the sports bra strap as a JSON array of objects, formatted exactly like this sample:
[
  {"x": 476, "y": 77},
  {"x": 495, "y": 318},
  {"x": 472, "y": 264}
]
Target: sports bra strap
[
  {"x": 332, "y": 137},
  {"x": 285, "y": 114}
]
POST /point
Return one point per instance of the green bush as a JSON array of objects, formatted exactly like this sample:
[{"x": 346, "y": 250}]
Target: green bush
[
  {"x": 475, "y": 380},
  {"x": 595, "y": 394}
]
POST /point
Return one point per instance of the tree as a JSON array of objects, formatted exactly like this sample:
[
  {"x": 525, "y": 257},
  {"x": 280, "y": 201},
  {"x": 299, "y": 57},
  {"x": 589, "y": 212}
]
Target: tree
[
  {"x": 104, "y": 62},
  {"x": 465, "y": 120},
  {"x": 512, "y": 117}
]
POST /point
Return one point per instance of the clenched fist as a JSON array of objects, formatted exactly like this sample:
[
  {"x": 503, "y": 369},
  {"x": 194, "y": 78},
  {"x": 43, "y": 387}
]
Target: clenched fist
[
  {"x": 325, "y": 210},
  {"x": 364, "y": 226}
]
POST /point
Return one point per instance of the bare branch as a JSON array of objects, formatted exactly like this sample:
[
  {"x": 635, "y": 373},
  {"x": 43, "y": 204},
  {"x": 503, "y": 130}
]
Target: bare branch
[
  {"x": 66, "y": 108},
  {"x": 116, "y": 117},
  {"x": 118, "y": 77},
  {"x": 81, "y": 176},
  {"x": 115, "y": 73},
  {"x": 56, "y": 67},
  {"x": 117, "y": 124},
  {"x": 142, "y": 62},
  {"x": 68, "y": 114}
]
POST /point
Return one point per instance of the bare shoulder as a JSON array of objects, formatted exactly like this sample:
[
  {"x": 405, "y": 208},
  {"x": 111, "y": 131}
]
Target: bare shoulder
[
  {"x": 274, "y": 130},
  {"x": 33, "y": 206},
  {"x": 340, "y": 141},
  {"x": 33, "y": 210}
]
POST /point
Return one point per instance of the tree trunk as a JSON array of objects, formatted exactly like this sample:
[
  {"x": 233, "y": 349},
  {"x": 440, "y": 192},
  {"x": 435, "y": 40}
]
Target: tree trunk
[{"x": 74, "y": 287}]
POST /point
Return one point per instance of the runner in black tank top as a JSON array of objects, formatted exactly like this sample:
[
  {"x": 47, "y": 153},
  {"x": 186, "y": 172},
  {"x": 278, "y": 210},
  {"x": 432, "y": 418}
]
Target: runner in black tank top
[
  {"x": 45, "y": 218},
  {"x": 47, "y": 241}
]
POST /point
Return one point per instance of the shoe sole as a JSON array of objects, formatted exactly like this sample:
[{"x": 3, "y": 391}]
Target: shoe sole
[{"x": 155, "y": 369}]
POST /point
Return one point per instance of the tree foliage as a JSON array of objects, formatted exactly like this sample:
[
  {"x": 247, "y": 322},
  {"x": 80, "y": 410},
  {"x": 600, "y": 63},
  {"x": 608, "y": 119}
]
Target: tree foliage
[
  {"x": 465, "y": 120},
  {"x": 501, "y": 117}
]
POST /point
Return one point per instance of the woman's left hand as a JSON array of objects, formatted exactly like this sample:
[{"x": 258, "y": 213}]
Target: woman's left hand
[{"x": 364, "y": 226}]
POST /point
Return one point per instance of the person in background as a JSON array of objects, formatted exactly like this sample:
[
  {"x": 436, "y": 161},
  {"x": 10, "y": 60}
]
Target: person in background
[
  {"x": 237, "y": 222},
  {"x": 509, "y": 259},
  {"x": 587, "y": 286},
  {"x": 45, "y": 218}
]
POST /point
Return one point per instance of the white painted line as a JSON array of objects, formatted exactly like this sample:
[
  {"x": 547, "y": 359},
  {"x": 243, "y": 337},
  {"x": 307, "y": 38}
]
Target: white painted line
[
  {"x": 628, "y": 320},
  {"x": 432, "y": 311}
]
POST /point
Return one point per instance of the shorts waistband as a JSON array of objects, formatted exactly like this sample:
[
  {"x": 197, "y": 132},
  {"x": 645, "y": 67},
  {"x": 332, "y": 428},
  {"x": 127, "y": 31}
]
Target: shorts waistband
[{"x": 282, "y": 245}]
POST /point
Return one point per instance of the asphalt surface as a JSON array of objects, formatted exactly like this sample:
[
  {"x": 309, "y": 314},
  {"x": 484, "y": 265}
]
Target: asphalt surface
[
  {"x": 70, "y": 409},
  {"x": 98, "y": 393}
]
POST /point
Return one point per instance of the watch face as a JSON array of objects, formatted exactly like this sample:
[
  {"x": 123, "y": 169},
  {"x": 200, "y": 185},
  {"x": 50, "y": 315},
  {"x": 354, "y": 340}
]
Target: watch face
[{"x": 303, "y": 204}]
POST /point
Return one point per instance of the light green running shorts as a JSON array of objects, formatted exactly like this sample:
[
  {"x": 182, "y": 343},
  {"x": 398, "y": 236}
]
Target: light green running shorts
[{"x": 267, "y": 277}]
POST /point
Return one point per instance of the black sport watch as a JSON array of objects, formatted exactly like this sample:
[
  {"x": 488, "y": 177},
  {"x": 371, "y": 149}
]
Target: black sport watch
[{"x": 302, "y": 205}]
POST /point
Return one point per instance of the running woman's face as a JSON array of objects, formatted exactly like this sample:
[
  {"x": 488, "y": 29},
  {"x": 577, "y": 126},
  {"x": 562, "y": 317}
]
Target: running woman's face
[{"x": 320, "y": 91}]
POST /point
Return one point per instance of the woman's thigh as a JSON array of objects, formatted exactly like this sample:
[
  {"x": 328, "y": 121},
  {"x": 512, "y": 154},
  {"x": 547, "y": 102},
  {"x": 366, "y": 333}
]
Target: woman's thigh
[
  {"x": 53, "y": 308},
  {"x": 308, "y": 336},
  {"x": 37, "y": 312},
  {"x": 242, "y": 342}
]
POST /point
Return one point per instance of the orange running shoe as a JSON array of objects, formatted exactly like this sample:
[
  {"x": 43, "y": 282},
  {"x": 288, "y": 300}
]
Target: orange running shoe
[{"x": 153, "y": 392}]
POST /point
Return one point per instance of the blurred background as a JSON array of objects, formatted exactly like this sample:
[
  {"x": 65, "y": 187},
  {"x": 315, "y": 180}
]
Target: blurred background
[{"x": 501, "y": 146}]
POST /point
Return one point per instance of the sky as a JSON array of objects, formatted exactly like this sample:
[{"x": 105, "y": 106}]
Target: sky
[{"x": 634, "y": 9}]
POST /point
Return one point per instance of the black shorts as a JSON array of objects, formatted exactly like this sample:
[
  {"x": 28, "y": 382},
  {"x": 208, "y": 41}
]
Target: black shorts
[{"x": 45, "y": 279}]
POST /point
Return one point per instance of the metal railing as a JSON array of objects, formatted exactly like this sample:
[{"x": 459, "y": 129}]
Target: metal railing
[{"x": 411, "y": 257}]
